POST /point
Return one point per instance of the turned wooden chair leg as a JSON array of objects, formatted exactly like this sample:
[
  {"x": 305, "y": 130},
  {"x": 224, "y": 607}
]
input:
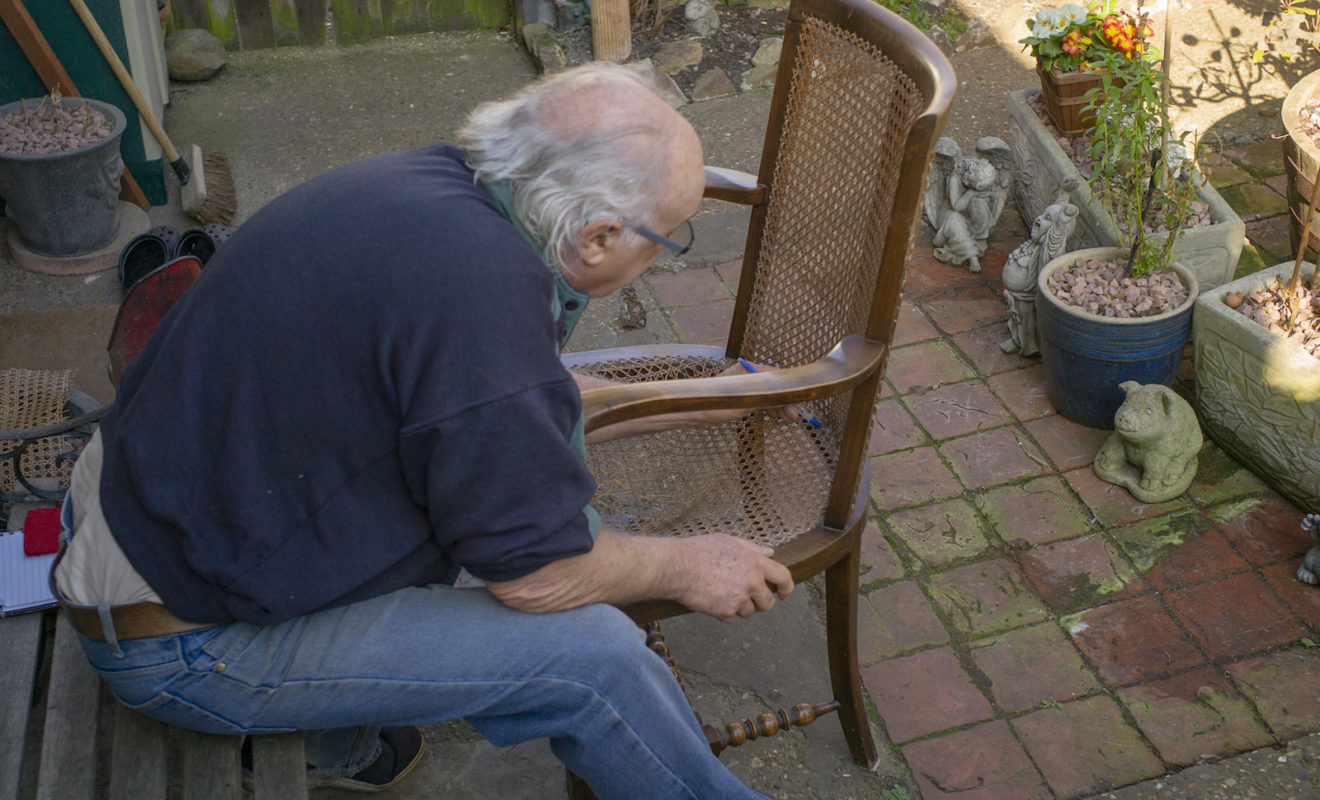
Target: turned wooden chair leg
[{"x": 841, "y": 638}]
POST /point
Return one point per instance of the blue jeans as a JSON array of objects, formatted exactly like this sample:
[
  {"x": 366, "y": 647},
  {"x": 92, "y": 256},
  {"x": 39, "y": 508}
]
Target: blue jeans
[{"x": 583, "y": 678}]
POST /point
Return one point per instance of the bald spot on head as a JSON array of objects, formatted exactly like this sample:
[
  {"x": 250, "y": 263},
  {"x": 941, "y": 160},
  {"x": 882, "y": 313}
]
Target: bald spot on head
[{"x": 603, "y": 103}]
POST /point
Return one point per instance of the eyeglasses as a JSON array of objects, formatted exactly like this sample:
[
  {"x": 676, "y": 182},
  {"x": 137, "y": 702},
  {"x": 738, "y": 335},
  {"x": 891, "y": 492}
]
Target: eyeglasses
[{"x": 678, "y": 248}]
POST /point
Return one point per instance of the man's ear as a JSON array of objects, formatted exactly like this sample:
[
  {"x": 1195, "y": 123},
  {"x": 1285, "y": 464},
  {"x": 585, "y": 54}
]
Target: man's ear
[{"x": 597, "y": 239}]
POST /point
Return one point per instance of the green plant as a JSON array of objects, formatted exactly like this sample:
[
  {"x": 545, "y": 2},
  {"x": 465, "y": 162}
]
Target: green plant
[
  {"x": 1073, "y": 38},
  {"x": 1142, "y": 176}
]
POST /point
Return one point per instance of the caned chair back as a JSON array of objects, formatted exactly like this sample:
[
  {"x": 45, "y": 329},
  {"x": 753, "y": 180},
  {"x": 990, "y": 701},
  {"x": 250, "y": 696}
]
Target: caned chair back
[{"x": 859, "y": 101}]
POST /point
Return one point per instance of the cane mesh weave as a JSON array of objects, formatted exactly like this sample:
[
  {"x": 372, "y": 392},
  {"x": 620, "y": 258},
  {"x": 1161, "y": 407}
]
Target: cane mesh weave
[
  {"x": 30, "y": 399},
  {"x": 831, "y": 198},
  {"x": 759, "y": 478}
]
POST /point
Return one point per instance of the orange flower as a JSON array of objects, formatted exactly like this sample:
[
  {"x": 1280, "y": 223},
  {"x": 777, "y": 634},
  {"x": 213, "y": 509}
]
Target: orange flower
[{"x": 1075, "y": 43}]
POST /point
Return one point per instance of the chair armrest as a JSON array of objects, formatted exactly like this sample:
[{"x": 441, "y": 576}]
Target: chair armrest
[
  {"x": 852, "y": 361},
  {"x": 733, "y": 186}
]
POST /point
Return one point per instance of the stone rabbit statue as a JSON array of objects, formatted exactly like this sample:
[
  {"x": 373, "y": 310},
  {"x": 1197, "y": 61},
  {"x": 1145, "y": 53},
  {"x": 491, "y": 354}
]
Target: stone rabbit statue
[{"x": 1155, "y": 444}]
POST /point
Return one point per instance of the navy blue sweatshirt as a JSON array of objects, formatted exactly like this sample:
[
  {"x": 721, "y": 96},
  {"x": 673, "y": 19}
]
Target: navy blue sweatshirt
[{"x": 361, "y": 393}]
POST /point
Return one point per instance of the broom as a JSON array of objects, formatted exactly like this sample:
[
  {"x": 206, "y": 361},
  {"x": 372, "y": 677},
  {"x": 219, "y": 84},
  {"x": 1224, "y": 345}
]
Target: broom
[{"x": 206, "y": 183}]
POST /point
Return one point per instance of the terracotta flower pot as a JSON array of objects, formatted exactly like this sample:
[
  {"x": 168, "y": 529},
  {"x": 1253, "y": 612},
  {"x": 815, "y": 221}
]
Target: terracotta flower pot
[{"x": 1301, "y": 157}]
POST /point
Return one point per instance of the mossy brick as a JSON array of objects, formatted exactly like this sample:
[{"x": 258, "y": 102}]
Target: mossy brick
[
  {"x": 1253, "y": 259},
  {"x": 1033, "y": 665},
  {"x": 1039, "y": 511},
  {"x": 1077, "y": 573},
  {"x": 1149, "y": 541},
  {"x": 986, "y": 597},
  {"x": 1261, "y": 159},
  {"x": 1254, "y": 201},
  {"x": 1221, "y": 171},
  {"x": 1282, "y": 685},
  {"x": 1086, "y": 746},
  {"x": 896, "y": 619},
  {"x": 1220, "y": 478},
  {"x": 1194, "y": 714},
  {"x": 941, "y": 533}
]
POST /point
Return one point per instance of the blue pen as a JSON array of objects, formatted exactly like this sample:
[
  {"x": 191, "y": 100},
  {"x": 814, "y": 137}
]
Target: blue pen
[{"x": 807, "y": 418}]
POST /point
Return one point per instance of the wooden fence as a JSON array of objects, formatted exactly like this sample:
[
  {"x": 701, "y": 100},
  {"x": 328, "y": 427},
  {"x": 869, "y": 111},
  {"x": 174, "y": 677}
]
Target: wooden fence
[{"x": 245, "y": 24}]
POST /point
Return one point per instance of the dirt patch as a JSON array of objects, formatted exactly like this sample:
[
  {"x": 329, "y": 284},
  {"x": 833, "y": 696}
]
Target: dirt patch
[{"x": 729, "y": 49}]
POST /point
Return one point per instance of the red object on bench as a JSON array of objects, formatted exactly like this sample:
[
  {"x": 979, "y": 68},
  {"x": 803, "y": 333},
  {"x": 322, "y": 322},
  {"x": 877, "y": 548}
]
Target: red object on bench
[{"x": 41, "y": 532}]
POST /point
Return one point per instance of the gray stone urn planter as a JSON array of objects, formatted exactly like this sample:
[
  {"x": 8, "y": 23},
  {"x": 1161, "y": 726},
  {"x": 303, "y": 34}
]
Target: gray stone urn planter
[
  {"x": 1211, "y": 251},
  {"x": 1259, "y": 396},
  {"x": 67, "y": 203}
]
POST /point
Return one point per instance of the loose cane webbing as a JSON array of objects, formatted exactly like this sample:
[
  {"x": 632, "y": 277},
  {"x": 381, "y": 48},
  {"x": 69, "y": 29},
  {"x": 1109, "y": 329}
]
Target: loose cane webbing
[
  {"x": 30, "y": 399},
  {"x": 833, "y": 188}
]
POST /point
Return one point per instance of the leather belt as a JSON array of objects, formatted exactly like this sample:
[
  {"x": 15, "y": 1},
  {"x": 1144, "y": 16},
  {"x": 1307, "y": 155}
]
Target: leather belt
[{"x": 131, "y": 620}]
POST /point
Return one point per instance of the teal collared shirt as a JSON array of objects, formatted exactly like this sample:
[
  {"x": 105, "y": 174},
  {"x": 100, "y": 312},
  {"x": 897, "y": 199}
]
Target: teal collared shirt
[
  {"x": 568, "y": 303},
  {"x": 566, "y": 307}
]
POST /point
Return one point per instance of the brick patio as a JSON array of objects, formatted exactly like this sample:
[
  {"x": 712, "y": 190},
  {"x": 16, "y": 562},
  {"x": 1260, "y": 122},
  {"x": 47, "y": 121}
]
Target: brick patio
[{"x": 1027, "y": 630}]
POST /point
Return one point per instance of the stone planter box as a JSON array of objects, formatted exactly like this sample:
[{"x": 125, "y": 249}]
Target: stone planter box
[
  {"x": 1210, "y": 251},
  {"x": 1259, "y": 397}
]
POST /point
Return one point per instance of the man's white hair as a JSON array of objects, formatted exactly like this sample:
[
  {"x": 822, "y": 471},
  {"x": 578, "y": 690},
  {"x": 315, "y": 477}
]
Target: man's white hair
[{"x": 565, "y": 180}]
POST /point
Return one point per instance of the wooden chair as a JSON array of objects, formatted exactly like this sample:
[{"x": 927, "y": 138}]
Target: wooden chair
[{"x": 860, "y": 98}]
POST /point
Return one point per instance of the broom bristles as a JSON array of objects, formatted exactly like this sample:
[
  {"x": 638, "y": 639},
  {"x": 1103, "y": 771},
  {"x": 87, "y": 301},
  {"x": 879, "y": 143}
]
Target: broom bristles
[{"x": 209, "y": 195}]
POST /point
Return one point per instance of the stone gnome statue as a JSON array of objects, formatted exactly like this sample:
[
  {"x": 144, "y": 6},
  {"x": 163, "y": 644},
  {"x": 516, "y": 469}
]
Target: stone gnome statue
[
  {"x": 965, "y": 196},
  {"x": 1155, "y": 444},
  {"x": 1048, "y": 241}
]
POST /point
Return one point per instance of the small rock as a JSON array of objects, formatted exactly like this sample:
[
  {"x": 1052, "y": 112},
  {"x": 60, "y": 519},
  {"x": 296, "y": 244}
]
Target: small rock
[
  {"x": 941, "y": 39},
  {"x": 674, "y": 57},
  {"x": 662, "y": 83},
  {"x": 701, "y": 17},
  {"x": 696, "y": 9},
  {"x": 977, "y": 35},
  {"x": 713, "y": 83},
  {"x": 767, "y": 52},
  {"x": 759, "y": 77},
  {"x": 193, "y": 55}
]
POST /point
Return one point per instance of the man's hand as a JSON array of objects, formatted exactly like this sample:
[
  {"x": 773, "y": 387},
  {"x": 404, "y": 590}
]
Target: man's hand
[
  {"x": 724, "y": 577},
  {"x": 714, "y": 574}
]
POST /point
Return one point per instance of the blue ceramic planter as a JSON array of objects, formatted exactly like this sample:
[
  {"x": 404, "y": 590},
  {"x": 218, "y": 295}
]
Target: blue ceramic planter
[{"x": 1087, "y": 356}]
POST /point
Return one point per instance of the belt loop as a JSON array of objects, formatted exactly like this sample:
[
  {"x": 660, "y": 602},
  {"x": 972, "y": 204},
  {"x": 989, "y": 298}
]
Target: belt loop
[
  {"x": 66, "y": 520},
  {"x": 108, "y": 629}
]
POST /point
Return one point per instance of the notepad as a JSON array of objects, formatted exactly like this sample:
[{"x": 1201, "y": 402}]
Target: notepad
[{"x": 24, "y": 582}]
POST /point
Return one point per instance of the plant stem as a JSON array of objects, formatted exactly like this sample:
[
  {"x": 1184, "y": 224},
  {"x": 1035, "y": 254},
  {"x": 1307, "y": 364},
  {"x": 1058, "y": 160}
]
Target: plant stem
[
  {"x": 1304, "y": 240},
  {"x": 1156, "y": 158}
]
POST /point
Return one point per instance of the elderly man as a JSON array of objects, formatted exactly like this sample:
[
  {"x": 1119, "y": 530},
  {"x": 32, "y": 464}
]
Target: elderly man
[{"x": 362, "y": 395}]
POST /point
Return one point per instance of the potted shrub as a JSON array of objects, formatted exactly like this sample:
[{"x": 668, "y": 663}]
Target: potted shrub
[
  {"x": 1258, "y": 338},
  {"x": 1110, "y": 315},
  {"x": 59, "y": 173},
  {"x": 1209, "y": 250}
]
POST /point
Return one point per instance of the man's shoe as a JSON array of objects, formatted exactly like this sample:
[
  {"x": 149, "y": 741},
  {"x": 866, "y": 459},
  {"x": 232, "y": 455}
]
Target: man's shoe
[{"x": 401, "y": 751}]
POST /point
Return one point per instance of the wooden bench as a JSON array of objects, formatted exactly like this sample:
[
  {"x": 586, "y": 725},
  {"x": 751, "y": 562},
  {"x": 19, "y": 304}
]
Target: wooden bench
[{"x": 55, "y": 716}]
